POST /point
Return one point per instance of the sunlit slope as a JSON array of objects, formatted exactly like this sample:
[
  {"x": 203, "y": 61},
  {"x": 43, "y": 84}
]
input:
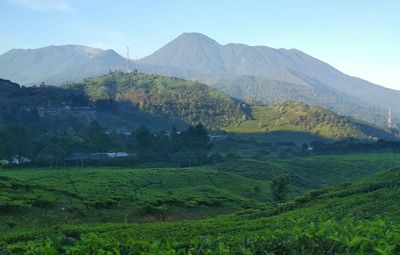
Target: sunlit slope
[{"x": 296, "y": 116}]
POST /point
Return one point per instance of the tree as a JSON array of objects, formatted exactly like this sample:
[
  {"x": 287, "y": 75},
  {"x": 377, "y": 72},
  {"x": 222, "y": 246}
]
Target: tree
[
  {"x": 15, "y": 142},
  {"x": 279, "y": 188},
  {"x": 215, "y": 158},
  {"x": 2, "y": 145},
  {"x": 174, "y": 139},
  {"x": 97, "y": 138},
  {"x": 162, "y": 147},
  {"x": 194, "y": 138},
  {"x": 143, "y": 142},
  {"x": 53, "y": 153}
]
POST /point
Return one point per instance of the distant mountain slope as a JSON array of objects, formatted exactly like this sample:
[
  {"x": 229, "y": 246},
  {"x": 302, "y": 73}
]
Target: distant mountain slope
[
  {"x": 252, "y": 88},
  {"x": 297, "y": 116},
  {"x": 204, "y": 56},
  {"x": 308, "y": 78},
  {"x": 55, "y": 64}
]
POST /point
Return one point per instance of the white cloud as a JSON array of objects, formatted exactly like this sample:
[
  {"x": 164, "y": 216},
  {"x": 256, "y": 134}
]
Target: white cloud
[{"x": 44, "y": 5}]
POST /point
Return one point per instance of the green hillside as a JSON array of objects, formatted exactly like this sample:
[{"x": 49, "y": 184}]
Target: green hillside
[
  {"x": 337, "y": 220},
  {"x": 189, "y": 101},
  {"x": 125, "y": 101},
  {"x": 295, "y": 116}
]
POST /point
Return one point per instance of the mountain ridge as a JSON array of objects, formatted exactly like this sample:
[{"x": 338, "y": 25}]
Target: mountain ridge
[
  {"x": 54, "y": 63},
  {"x": 198, "y": 57}
]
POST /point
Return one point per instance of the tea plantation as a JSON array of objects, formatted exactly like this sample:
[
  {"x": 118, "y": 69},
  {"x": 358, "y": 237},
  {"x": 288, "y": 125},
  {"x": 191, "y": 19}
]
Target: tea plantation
[{"x": 337, "y": 205}]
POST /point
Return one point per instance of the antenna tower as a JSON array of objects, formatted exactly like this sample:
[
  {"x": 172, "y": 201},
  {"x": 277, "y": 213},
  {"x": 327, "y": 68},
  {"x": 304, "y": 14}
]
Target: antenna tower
[{"x": 127, "y": 60}]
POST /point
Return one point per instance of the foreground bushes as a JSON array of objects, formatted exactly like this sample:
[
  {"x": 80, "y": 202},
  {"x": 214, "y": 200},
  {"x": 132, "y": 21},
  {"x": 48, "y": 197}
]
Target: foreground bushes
[{"x": 327, "y": 237}]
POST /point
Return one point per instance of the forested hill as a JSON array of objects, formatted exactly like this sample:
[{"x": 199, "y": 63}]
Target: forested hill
[
  {"x": 24, "y": 105},
  {"x": 14, "y": 95},
  {"x": 296, "y": 116},
  {"x": 189, "y": 101},
  {"x": 129, "y": 100}
]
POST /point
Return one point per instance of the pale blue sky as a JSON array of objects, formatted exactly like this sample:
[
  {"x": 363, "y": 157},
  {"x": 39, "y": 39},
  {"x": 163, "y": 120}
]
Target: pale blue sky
[{"x": 359, "y": 37}]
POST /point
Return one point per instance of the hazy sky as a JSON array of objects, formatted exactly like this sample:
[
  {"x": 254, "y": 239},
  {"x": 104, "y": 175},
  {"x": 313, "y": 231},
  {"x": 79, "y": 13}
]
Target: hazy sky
[{"x": 359, "y": 37}]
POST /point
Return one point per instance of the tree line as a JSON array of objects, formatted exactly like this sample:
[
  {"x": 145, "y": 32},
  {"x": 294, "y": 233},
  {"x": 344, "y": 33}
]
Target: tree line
[{"x": 186, "y": 148}]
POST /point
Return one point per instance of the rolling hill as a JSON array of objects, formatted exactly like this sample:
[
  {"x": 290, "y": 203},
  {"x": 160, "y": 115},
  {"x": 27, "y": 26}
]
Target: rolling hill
[
  {"x": 296, "y": 116},
  {"x": 128, "y": 100},
  {"x": 193, "y": 102},
  {"x": 188, "y": 101},
  {"x": 119, "y": 100}
]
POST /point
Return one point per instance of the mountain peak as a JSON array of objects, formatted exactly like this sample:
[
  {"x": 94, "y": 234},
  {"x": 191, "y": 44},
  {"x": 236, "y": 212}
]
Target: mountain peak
[
  {"x": 193, "y": 50},
  {"x": 194, "y": 36}
]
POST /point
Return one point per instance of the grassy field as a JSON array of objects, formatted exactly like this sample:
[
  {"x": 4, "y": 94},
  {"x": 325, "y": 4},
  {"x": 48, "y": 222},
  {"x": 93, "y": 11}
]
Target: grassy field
[{"x": 205, "y": 210}]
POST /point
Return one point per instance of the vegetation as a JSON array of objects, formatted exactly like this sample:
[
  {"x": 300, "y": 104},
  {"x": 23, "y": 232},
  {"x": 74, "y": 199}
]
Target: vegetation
[
  {"x": 279, "y": 188},
  {"x": 191, "y": 190},
  {"x": 50, "y": 197},
  {"x": 187, "y": 148},
  {"x": 337, "y": 220},
  {"x": 273, "y": 91},
  {"x": 189, "y": 101},
  {"x": 125, "y": 101},
  {"x": 262, "y": 148},
  {"x": 296, "y": 116}
]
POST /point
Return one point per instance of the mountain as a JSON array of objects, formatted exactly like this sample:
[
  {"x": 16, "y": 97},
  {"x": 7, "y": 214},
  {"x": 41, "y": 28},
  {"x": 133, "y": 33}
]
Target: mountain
[
  {"x": 56, "y": 64},
  {"x": 251, "y": 72},
  {"x": 245, "y": 72}
]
